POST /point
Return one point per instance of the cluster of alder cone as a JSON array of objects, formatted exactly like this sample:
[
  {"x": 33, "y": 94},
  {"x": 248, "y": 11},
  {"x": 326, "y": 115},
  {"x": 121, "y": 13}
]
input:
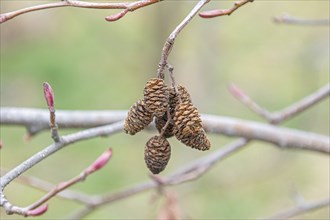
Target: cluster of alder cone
[{"x": 174, "y": 114}]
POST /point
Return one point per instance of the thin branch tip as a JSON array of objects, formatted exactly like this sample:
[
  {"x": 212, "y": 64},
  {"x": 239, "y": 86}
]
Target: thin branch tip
[
  {"x": 117, "y": 16},
  {"x": 38, "y": 211},
  {"x": 100, "y": 162},
  {"x": 49, "y": 96}
]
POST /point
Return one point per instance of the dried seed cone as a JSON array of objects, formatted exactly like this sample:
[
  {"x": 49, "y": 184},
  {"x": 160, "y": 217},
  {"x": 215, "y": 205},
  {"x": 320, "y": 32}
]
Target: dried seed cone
[
  {"x": 138, "y": 118},
  {"x": 157, "y": 153},
  {"x": 188, "y": 127},
  {"x": 161, "y": 122},
  {"x": 198, "y": 141},
  {"x": 156, "y": 96},
  {"x": 187, "y": 120},
  {"x": 184, "y": 94}
]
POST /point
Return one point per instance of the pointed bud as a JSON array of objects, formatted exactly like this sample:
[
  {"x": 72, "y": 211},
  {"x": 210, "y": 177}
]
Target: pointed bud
[
  {"x": 38, "y": 211},
  {"x": 49, "y": 96},
  {"x": 236, "y": 91},
  {"x": 100, "y": 162},
  {"x": 117, "y": 16},
  {"x": 3, "y": 18},
  {"x": 213, "y": 13}
]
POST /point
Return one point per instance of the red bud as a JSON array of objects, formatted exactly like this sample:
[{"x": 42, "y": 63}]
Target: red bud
[
  {"x": 236, "y": 91},
  {"x": 38, "y": 211},
  {"x": 117, "y": 16},
  {"x": 213, "y": 13},
  {"x": 49, "y": 96},
  {"x": 100, "y": 162}
]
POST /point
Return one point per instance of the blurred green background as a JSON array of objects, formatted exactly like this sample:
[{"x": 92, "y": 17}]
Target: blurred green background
[{"x": 94, "y": 64}]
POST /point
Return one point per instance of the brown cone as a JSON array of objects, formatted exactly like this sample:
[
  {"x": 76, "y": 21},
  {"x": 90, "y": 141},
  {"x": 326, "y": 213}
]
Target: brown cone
[
  {"x": 198, "y": 141},
  {"x": 161, "y": 121},
  {"x": 157, "y": 153},
  {"x": 184, "y": 94},
  {"x": 156, "y": 95},
  {"x": 138, "y": 118},
  {"x": 188, "y": 127}
]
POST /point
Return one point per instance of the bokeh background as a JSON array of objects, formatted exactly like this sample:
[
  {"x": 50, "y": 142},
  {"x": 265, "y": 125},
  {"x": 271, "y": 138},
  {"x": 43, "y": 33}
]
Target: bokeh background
[{"x": 94, "y": 64}]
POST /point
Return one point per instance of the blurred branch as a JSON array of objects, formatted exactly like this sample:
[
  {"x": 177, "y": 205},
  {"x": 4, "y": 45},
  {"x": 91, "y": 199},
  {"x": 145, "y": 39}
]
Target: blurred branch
[
  {"x": 222, "y": 12},
  {"x": 283, "y": 137},
  {"x": 183, "y": 174},
  {"x": 36, "y": 120},
  {"x": 286, "y": 113},
  {"x": 300, "y": 209},
  {"x": 65, "y": 141},
  {"x": 171, "y": 39},
  {"x": 38, "y": 208},
  {"x": 288, "y": 19},
  {"x": 45, "y": 186},
  {"x": 127, "y": 6}
]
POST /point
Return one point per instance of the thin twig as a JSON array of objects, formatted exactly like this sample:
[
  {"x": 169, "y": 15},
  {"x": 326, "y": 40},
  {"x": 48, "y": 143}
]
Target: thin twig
[
  {"x": 288, "y": 19},
  {"x": 222, "y": 12},
  {"x": 171, "y": 39},
  {"x": 38, "y": 208},
  {"x": 50, "y": 100},
  {"x": 45, "y": 186},
  {"x": 127, "y": 6},
  {"x": 65, "y": 141},
  {"x": 286, "y": 113},
  {"x": 233, "y": 127},
  {"x": 98, "y": 164},
  {"x": 184, "y": 174},
  {"x": 301, "y": 105},
  {"x": 295, "y": 211}
]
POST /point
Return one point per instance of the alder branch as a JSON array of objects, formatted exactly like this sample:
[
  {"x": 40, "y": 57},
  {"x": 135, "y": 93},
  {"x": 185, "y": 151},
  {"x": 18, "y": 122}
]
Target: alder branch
[
  {"x": 222, "y": 12},
  {"x": 288, "y": 19},
  {"x": 300, "y": 209},
  {"x": 286, "y": 113},
  {"x": 45, "y": 186},
  {"x": 171, "y": 39},
  {"x": 38, "y": 208},
  {"x": 127, "y": 6},
  {"x": 183, "y": 174},
  {"x": 65, "y": 141},
  {"x": 233, "y": 127}
]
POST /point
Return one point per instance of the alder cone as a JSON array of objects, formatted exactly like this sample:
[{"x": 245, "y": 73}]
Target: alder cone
[
  {"x": 160, "y": 122},
  {"x": 187, "y": 120},
  {"x": 188, "y": 127},
  {"x": 197, "y": 141},
  {"x": 138, "y": 117},
  {"x": 156, "y": 96},
  {"x": 157, "y": 153},
  {"x": 184, "y": 94}
]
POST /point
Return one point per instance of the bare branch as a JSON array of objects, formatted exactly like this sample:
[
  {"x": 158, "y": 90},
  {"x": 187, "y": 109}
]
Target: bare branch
[
  {"x": 222, "y": 12},
  {"x": 38, "y": 208},
  {"x": 65, "y": 141},
  {"x": 288, "y": 19},
  {"x": 295, "y": 211},
  {"x": 46, "y": 187},
  {"x": 286, "y": 113},
  {"x": 233, "y": 127},
  {"x": 171, "y": 39},
  {"x": 128, "y": 6},
  {"x": 36, "y": 120},
  {"x": 301, "y": 105},
  {"x": 189, "y": 172},
  {"x": 98, "y": 164}
]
